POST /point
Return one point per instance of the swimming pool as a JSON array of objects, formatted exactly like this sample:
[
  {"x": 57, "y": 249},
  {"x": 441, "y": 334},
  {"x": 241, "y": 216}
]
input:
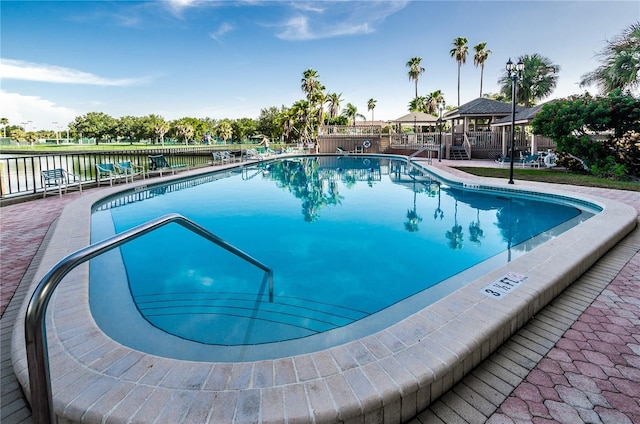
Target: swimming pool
[
  {"x": 356, "y": 243},
  {"x": 389, "y": 376}
]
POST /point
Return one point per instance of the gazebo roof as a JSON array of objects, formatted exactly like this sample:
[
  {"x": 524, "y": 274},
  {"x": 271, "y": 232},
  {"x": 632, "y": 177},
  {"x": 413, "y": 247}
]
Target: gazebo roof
[
  {"x": 417, "y": 118},
  {"x": 524, "y": 116},
  {"x": 482, "y": 106}
]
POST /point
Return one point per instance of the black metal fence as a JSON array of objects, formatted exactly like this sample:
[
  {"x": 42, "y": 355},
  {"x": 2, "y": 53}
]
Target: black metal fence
[{"x": 21, "y": 174}]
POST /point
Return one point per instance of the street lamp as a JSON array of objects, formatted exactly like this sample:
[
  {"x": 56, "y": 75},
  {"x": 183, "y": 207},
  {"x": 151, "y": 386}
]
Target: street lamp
[
  {"x": 440, "y": 110},
  {"x": 514, "y": 72},
  {"x": 56, "y": 127}
]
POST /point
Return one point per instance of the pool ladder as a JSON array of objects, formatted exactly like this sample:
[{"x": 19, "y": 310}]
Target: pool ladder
[{"x": 35, "y": 326}]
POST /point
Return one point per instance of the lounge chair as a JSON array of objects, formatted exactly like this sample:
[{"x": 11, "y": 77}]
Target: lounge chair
[
  {"x": 159, "y": 164},
  {"x": 507, "y": 159},
  {"x": 60, "y": 179},
  {"x": 129, "y": 170},
  {"x": 216, "y": 158},
  {"x": 107, "y": 172},
  {"x": 531, "y": 160},
  {"x": 227, "y": 156},
  {"x": 252, "y": 154}
]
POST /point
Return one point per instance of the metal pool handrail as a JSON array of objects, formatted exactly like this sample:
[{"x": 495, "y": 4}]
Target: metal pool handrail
[{"x": 35, "y": 326}]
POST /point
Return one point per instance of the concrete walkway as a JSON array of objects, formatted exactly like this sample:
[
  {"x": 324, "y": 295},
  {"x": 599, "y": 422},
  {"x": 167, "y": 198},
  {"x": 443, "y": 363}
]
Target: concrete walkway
[{"x": 578, "y": 361}]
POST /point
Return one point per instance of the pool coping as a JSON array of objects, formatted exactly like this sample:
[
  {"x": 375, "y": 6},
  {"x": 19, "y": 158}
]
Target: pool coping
[{"x": 389, "y": 376}]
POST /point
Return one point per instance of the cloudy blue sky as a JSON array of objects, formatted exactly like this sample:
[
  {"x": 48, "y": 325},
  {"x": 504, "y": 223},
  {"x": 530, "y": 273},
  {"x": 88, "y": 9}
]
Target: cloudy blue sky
[{"x": 230, "y": 59}]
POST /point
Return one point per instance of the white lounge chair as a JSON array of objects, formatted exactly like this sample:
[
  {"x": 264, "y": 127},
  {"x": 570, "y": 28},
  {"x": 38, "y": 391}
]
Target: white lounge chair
[
  {"x": 59, "y": 179},
  {"x": 107, "y": 172},
  {"x": 129, "y": 170}
]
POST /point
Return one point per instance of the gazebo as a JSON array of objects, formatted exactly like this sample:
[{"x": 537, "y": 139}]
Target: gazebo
[
  {"x": 478, "y": 114},
  {"x": 419, "y": 121},
  {"x": 523, "y": 119}
]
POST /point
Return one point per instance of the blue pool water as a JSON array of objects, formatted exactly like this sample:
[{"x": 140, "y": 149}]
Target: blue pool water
[{"x": 356, "y": 244}]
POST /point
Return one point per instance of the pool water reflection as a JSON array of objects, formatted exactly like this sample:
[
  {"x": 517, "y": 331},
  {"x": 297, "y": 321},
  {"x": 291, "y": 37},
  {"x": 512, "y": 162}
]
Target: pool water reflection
[{"x": 356, "y": 244}]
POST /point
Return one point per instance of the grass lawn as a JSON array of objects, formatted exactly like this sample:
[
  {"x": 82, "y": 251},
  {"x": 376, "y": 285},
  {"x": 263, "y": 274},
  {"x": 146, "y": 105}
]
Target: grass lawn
[{"x": 552, "y": 176}]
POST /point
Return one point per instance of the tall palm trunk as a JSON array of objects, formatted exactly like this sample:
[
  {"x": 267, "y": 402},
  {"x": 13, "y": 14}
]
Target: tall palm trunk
[{"x": 459, "y": 65}]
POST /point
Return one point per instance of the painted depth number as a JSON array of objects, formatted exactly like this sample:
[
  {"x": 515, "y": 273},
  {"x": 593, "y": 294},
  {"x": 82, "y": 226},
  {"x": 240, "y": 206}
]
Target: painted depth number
[{"x": 499, "y": 288}]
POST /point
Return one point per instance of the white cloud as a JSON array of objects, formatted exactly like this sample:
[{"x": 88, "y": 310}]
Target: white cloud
[
  {"x": 296, "y": 28},
  {"x": 222, "y": 29},
  {"x": 342, "y": 18},
  {"x": 18, "y": 108},
  {"x": 27, "y": 71}
]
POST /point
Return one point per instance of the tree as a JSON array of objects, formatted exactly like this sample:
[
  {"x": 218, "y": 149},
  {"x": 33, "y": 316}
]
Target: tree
[
  {"x": 620, "y": 63},
  {"x": 539, "y": 78},
  {"x": 310, "y": 82},
  {"x": 371, "y": 104},
  {"x": 96, "y": 125},
  {"x": 500, "y": 97},
  {"x": 158, "y": 127},
  {"x": 459, "y": 53},
  {"x": 419, "y": 104},
  {"x": 572, "y": 122},
  {"x": 224, "y": 130},
  {"x": 4, "y": 122},
  {"x": 333, "y": 101},
  {"x": 316, "y": 104},
  {"x": 17, "y": 133},
  {"x": 481, "y": 56},
  {"x": 184, "y": 131},
  {"x": 268, "y": 122},
  {"x": 243, "y": 128},
  {"x": 131, "y": 127},
  {"x": 314, "y": 110},
  {"x": 432, "y": 100},
  {"x": 415, "y": 70},
  {"x": 351, "y": 113},
  {"x": 287, "y": 121}
]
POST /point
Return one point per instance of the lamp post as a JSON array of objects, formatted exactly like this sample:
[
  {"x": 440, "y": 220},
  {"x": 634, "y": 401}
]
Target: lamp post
[
  {"x": 56, "y": 127},
  {"x": 514, "y": 72},
  {"x": 440, "y": 110}
]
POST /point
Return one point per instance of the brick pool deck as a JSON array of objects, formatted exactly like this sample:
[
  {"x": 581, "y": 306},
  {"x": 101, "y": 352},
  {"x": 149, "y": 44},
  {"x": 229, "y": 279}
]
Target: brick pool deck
[{"x": 577, "y": 361}]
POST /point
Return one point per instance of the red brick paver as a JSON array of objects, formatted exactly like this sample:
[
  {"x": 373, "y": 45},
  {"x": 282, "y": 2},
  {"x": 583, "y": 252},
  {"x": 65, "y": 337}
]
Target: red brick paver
[
  {"x": 592, "y": 375},
  {"x": 22, "y": 229}
]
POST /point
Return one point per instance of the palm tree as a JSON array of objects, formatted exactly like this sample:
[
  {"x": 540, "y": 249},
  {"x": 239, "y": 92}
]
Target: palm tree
[
  {"x": 481, "y": 56},
  {"x": 310, "y": 82},
  {"x": 159, "y": 127},
  {"x": 301, "y": 112},
  {"x": 351, "y": 113},
  {"x": 333, "y": 101},
  {"x": 185, "y": 131},
  {"x": 286, "y": 120},
  {"x": 371, "y": 104},
  {"x": 539, "y": 78},
  {"x": 620, "y": 63},
  {"x": 415, "y": 70},
  {"x": 431, "y": 103},
  {"x": 459, "y": 53},
  {"x": 224, "y": 130},
  {"x": 419, "y": 104},
  {"x": 4, "y": 122}
]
